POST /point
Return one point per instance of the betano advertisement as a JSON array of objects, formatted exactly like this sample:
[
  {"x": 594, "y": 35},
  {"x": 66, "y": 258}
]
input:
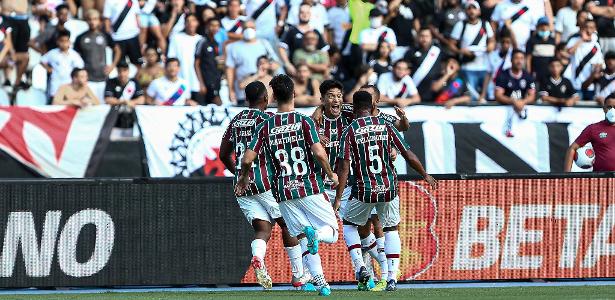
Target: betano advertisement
[{"x": 492, "y": 229}]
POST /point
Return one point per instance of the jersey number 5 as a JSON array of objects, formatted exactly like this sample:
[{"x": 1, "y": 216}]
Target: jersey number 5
[{"x": 375, "y": 165}]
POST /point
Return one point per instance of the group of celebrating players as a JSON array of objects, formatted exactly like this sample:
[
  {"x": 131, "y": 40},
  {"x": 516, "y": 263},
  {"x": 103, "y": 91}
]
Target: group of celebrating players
[{"x": 284, "y": 174}]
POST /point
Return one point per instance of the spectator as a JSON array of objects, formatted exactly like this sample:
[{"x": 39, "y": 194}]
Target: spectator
[
  {"x": 76, "y": 93},
  {"x": 605, "y": 85},
  {"x": 452, "y": 87},
  {"x": 586, "y": 60},
  {"x": 426, "y": 62},
  {"x": 263, "y": 13},
  {"x": 561, "y": 53},
  {"x": 6, "y": 47},
  {"x": 518, "y": 16},
  {"x": 207, "y": 14},
  {"x": 402, "y": 20},
  {"x": 444, "y": 22},
  {"x": 60, "y": 62},
  {"x": 340, "y": 23},
  {"x": 515, "y": 87},
  {"x": 557, "y": 90},
  {"x": 306, "y": 87},
  {"x": 92, "y": 46},
  {"x": 397, "y": 87},
  {"x": 382, "y": 61},
  {"x": 150, "y": 25},
  {"x": 582, "y": 16},
  {"x": 123, "y": 90},
  {"x": 16, "y": 12},
  {"x": 376, "y": 33},
  {"x": 232, "y": 22},
  {"x": 170, "y": 90},
  {"x": 241, "y": 58},
  {"x": 540, "y": 51},
  {"x": 206, "y": 61},
  {"x": 292, "y": 39},
  {"x": 471, "y": 40},
  {"x": 565, "y": 21},
  {"x": 319, "y": 19},
  {"x": 338, "y": 70},
  {"x": 359, "y": 14},
  {"x": 264, "y": 74},
  {"x": 174, "y": 21},
  {"x": 499, "y": 61},
  {"x": 183, "y": 47},
  {"x": 121, "y": 20},
  {"x": 151, "y": 70},
  {"x": 316, "y": 59},
  {"x": 48, "y": 38},
  {"x": 605, "y": 20}
]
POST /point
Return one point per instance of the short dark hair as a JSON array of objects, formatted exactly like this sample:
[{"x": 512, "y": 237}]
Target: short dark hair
[
  {"x": 122, "y": 65},
  {"x": 256, "y": 92},
  {"x": 609, "y": 97},
  {"x": 62, "y": 33},
  {"x": 330, "y": 84},
  {"x": 517, "y": 51},
  {"x": 373, "y": 88},
  {"x": 283, "y": 88},
  {"x": 561, "y": 46},
  {"x": 609, "y": 55},
  {"x": 401, "y": 61},
  {"x": 362, "y": 100},
  {"x": 75, "y": 72},
  {"x": 170, "y": 60},
  {"x": 553, "y": 60},
  {"x": 61, "y": 7}
]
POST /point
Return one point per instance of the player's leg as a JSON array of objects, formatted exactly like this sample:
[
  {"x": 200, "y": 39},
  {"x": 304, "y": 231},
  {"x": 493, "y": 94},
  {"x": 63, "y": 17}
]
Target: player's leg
[
  {"x": 356, "y": 218},
  {"x": 390, "y": 218},
  {"x": 366, "y": 236},
  {"x": 378, "y": 253},
  {"x": 295, "y": 256}
]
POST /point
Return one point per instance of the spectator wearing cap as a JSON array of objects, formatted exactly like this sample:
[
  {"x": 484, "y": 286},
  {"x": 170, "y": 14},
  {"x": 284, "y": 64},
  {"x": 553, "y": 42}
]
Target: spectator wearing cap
[
  {"x": 123, "y": 90},
  {"x": 471, "y": 40},
  {"x": 76, "y": 93},
  {"x": 316, "y": 59},
  {"x": 517, "y": 15},
  {"x": 565, "y": 21},
  {"x": 293, "y": 38},
  {"x": 540, "y": 51},
  {"x": 604, "y": 11},
  {"x": 605, "y": 85},
  {"x": 241, "y": 60},
  {"x": 375, "y": 34},
  {"x": 92, "y": 46},
  {"x": 586, "y": 60}
]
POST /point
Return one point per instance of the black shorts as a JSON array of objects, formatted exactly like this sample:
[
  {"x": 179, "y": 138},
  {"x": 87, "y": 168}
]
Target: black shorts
[
  {"x": 20, "y": 34},
  {"x": 131, "y": 49}
]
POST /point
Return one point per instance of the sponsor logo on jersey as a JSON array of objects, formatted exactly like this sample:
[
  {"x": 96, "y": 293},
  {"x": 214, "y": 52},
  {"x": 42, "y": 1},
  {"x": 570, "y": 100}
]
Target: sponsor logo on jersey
[
  {"x": 285, "y": 128},
  {"x": 603, "y": 135},
  {"x": 244, "y": 123},
  {"x": 370, "y": 128},
  {"x": 380, "y": 189}
]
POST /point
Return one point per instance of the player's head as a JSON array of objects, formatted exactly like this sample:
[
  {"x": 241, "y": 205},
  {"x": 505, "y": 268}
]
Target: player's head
[
  {"x": 556, "y": 67},
  {"x": 79, "y": 76},
  {"x": 372, "y": 90},
  {"x": 362, "y": 103},
  {"x": 63, "y": 40},
  {"x": 256, "y": 95},
  {"x": 609, "y": 108},
  {"x": 122, "y": 71},
  {"x": 332, "y": 96},
  {"x": 283, "y": 89},
  {"x": 518, "y": 60},
  {"x": 171, "y": 67},
  {"x": 401, "y": 69},
  {"x": 609, "y": 59}
]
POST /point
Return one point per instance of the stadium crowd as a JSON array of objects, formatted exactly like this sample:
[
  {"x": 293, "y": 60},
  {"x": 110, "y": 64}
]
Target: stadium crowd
[{"x": 191, "y": 52}]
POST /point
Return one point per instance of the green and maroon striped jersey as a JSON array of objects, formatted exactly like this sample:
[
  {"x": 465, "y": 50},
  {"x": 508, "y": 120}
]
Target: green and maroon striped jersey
[
  {"x": 367, "y": 144},
  {"x": 332, "y": 129},
  {"x": 240, "y": 131},
  {"x": 347, "y": 111},
  {"x": 288, "y": 138}
]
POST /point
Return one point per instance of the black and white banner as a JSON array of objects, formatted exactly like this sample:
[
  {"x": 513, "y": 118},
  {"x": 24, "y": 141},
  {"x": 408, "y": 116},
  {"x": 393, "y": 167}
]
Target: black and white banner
[
  {"x": 56, "y": 141},
  {"x": 184, "y": 141}
]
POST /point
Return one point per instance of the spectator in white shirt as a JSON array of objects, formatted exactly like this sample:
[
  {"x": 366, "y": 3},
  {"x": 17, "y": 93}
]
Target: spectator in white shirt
[
  {"x": 170, "y": 90},
  {"x": 566, "y": 21},
  {"x": 269, "y": 17},
  {"x": 377, "y": 32},
  {"x": 233, "y": 21},
  {"x": 183, "y": 46},
  {"x": 520, "y": 16},
  {"x": 339, "y": 22},
  {"x": 319, "y": 20},
  {"x": 585, "y": 61},
  {"x": 60, "y": 62},
  {"x": 397, "y": 87},
  {"x": 121, "y": 20}
]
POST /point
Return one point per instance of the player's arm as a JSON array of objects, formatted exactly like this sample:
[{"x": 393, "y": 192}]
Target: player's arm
[
  {"x": 321, "y": 156},
  {"x": 226, "y": 153},
  {"x": 343, "y": 168},
  {"x": 501, "y": 97},
  {"x": 570, "y": 156},
  {"x": 410, "y": 157},
  {"x": 402, "y": 124}
]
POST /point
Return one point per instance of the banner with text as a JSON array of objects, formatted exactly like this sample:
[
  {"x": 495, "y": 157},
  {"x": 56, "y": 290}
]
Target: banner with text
[{"x": 184, "y": 141}]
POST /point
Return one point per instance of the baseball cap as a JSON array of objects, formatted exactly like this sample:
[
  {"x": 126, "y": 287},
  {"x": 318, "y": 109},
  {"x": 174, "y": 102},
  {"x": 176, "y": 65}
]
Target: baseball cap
[
  {"x": 473, "y": 3},
  {"x": 543, "y": 21}
]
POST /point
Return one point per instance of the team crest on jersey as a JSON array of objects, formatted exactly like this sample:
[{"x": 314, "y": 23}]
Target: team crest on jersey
[
  {"x": 563, "y": 89},
  {"x": 522, "y": 83},
  {"x": 603, "y": 135},
  {"x": 196, "y": 144}
]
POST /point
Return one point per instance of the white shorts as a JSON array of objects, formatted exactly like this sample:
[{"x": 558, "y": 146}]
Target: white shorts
[
  {"x": 358, "y": 212},
  {"x": 260, "y": 206},
  {"x": 314, "y": 210},
  {"x": 345, "y": 195}
]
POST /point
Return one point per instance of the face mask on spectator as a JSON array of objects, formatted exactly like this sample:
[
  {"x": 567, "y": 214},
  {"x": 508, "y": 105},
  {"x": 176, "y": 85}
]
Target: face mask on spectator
[
  {"x": 544, "y": 34},
  {"x": 249, "y": 34},
  {"x": 375, "y": 22},
  {"x": 610, "y": 115}
]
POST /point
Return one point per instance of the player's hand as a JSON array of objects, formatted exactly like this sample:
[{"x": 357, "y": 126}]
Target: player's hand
[
  {"x": 203, "y": 90},
  {"x": 432, "y": 182},
  {"x": 393, "y": 154},
  {"x": 400, "y": 112},
  {"x": 241, "y": 186},
  {"x": 317, "y": 115},
  {"x": 324, "y": 140},
  {"x": 334, "y": 180},
  {"x": 337, "y": 204}
]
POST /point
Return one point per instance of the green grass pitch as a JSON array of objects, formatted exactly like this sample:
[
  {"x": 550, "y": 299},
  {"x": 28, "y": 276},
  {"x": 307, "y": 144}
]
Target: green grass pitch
[{"x": 556, "y": 292}]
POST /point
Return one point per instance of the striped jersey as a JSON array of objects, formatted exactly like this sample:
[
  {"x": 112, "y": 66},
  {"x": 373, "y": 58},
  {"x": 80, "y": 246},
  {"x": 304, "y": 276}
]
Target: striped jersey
[
  {"x": 332, "y": 129},
  {"x": 347, "y": 111},
  {"x": 367, "y": 144},
  {"x": 240, "y": 132},
  {"x": 287, "y": 138}
]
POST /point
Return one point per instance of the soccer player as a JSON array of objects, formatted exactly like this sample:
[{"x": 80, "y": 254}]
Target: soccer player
[
  {"x": 366, "y": 146},
  {"x": 257, "y": 202},
  {"x": 291, "y": 140}
]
